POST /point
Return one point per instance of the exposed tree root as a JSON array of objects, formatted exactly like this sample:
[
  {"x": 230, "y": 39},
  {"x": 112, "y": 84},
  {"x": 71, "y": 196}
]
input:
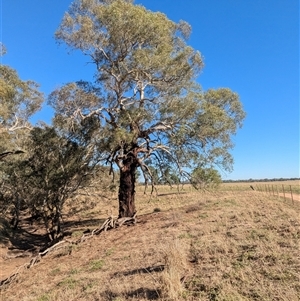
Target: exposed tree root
[{"x": 110, "y": 223}]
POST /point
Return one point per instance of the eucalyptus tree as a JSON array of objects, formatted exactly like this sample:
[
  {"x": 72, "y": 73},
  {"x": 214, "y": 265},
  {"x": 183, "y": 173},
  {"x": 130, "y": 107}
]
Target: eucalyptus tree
[
  {"x": 150, "y": 107},
  {"x": 18, "y": 101}
]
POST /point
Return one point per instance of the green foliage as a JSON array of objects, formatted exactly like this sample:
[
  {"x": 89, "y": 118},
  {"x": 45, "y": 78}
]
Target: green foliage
[
  {"x": 52, "y": 170},
  {"x": 145, "y": 95},
  {"x": 19, "y": 100},
  {"x": 205, "y": 178},
  {"x": 162, "y": 174}
]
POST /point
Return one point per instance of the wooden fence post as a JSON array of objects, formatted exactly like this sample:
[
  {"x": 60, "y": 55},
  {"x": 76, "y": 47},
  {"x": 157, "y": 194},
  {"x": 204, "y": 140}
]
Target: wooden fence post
[
  {"x": 292, "y": 194},
  {"x": 283, "y": 192}
]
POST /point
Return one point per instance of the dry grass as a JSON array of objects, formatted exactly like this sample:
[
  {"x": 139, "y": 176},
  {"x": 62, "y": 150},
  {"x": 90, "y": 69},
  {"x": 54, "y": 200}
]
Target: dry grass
[
  {"x": 187, "y": 245},
  {"x": 175, "y": 268}
]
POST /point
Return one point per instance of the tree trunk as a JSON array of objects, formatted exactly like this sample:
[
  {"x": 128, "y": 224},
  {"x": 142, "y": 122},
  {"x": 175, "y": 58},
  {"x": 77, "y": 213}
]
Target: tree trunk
[
  {"x": 53, "y": 224},
  {"x": 127, "y": 187}
]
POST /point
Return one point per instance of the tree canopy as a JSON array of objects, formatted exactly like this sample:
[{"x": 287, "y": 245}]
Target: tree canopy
[
  {"x": 150, "y": 107},
  {"x": 205, "y": 178},
  {"x": 19, "y": 101}
]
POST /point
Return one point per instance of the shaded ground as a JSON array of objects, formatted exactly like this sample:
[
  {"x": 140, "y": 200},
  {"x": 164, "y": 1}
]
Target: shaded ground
[{"x": 18, "y": 246}]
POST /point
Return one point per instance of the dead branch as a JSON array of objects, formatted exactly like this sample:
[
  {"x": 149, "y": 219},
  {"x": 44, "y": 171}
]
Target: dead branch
[
  {"x": 52, "y": 248},
  {"x": 110, "y": 223},
  {"x": 30, "y": 264},
  {"x": 12, "y": 277}
]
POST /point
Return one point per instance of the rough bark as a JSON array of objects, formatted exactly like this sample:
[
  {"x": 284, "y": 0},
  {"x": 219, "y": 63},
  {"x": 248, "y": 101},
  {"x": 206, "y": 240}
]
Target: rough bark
[
  {"x": 53, "y": 225},
  {"x": 127, "y": 187}
]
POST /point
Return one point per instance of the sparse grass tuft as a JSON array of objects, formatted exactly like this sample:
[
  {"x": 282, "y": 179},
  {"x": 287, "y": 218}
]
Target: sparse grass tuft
[
  {"x": 69, "y": 283},
  {"x": 44, "y": 297},
  {"x": 175, "y": 268},
  {"x": 96, "y": 265}
]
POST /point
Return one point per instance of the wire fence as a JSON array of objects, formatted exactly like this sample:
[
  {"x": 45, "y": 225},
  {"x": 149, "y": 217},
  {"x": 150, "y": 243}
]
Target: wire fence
[{"x": 285, "y": 191}]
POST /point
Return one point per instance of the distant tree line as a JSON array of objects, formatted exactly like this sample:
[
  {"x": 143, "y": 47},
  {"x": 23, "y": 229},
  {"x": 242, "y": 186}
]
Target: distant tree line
[{"x": 260, "y": 180}]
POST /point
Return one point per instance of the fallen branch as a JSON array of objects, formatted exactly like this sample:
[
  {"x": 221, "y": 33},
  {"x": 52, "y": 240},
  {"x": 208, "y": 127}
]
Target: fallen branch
[
  {"x": 32, "y": 262},
  {"x": 12, "y": 277},
  {"x": 52, "y": 248},
  {"x": 110, "y": 223}
]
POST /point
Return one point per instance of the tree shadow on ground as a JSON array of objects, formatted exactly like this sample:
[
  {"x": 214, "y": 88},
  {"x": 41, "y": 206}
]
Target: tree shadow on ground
[
  {"x": 83, "y": 224},
  {"x": 142, "y": 292},
  {"x": 24, "y": 240},
  {"x": 25, "y": 237},
  {"x": 31, "y": 234},
  {"x": 156, "y": 269},
  {"x": 171, "y": 193},
  {"x": 5, "y": 231}
]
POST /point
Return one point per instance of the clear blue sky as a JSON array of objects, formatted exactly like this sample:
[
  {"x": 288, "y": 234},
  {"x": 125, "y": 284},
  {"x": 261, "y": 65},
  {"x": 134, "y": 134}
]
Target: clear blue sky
[{"x": 250, "y": 46}]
